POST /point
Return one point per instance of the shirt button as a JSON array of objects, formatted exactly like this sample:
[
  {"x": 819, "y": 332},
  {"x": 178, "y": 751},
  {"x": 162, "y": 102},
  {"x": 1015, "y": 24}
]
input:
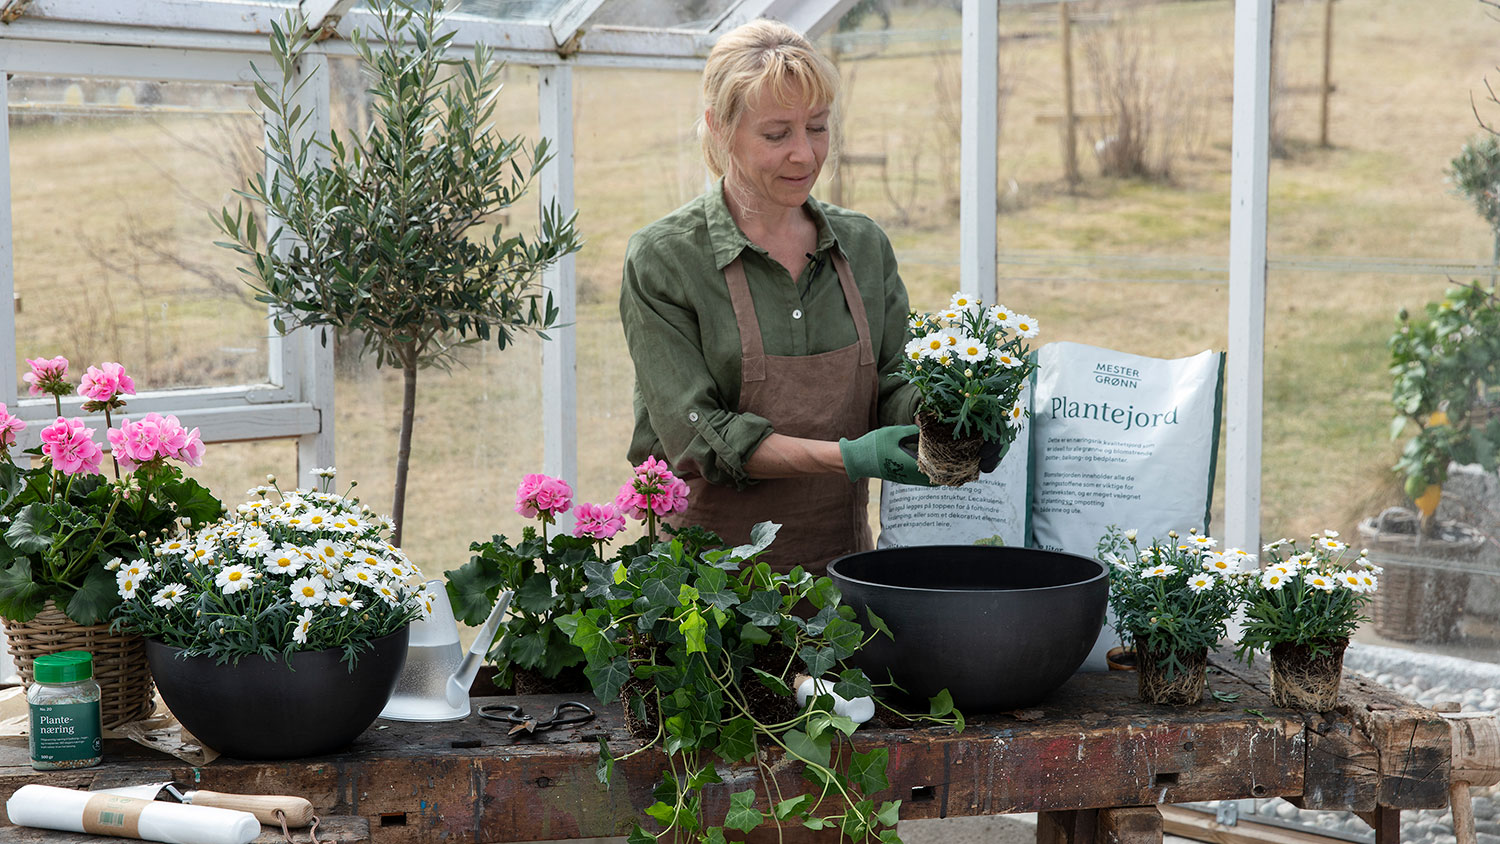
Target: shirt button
[
  {"x": 797, "y": 314},
  {"x": 693, "y": 417}
]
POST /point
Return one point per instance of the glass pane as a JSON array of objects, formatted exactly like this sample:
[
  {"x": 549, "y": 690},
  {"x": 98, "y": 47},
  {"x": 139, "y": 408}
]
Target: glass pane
[
  {"x": 229, "y": 469},
  {"x": 514, "y": 10},
  {"x": 113, "y": 184},
  {"x": 662, "y": 14}
]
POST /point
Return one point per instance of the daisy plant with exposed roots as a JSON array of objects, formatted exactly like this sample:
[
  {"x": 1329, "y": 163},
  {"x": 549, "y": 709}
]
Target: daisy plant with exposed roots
[
  {"x": 1311, "y": 596},
  {"x": 971, "y": 365},
  {"x": 1172, "y": 596},
  {"x": 307, "y": 571}
]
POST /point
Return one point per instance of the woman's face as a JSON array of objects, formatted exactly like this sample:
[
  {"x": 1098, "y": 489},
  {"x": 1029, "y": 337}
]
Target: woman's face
[{"x": 777, "y": 151}]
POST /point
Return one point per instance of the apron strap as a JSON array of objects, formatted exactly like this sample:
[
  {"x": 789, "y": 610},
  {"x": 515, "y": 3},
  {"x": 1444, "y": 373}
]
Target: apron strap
[
  {"x": 752, "y": 349},
  {"x": 856, "y": 304}
]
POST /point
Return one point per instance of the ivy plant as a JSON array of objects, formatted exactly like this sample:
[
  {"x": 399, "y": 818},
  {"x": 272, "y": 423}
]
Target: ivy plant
[
  {"x": 398, "y": 234},
  {"x": 701, "y": 643}
]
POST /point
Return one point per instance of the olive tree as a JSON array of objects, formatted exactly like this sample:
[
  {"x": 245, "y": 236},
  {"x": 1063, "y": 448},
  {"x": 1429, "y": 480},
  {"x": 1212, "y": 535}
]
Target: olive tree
[{"x": 395, "y": 234}]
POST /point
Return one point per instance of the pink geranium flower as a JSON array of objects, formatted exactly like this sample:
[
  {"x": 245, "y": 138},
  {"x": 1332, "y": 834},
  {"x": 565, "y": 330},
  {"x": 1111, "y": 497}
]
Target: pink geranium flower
[
  {"x": 105, "y": 382},
  {"x": 47, "y": 376},
  {"x": 543, "y": 496},
  {"x": 70, "y": 444},
  {"x": 9, "y": 427},
  {"x": 597, "y": 521},
  {"x": 155, "y": 437},
  {"x": 654, "y": 488}
]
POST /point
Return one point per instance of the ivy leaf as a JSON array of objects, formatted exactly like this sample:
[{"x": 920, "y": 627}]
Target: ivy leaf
[
  {"x": 808, "y": 749},
  {"x": 761, "y": 536},
  {"x": 661, "y": 812},
  {"x": 852, "y": 684},
  {"x": 763, "y": 609},
  {"x": 878, "y": 623},
  {"x": 853, "y": 825},
  {"x": 941, "y": 704},
  {"x": 771, "y": 681},
  {"x": 819, "y": 660},
  {"x": 742, "y": 814},
  {"x": 754, "y": 635},
  {"x": 693, "y": 630},
  {"x": 714, "y": 835},
  {"x": 736, "y": 740},
  {"x": 867, "y": 770},
  {"x": 605, "y": 768},
  {"x": 608, "y": 678},
  {"x": 639, "y": 835},
  {"x": 889, "y": 814},
  {"x": 843, "y": 636},
  {"x": 703, "y": 776},
  {"x": 787, "y": 808},
  {"x": 814, "y": 823}
]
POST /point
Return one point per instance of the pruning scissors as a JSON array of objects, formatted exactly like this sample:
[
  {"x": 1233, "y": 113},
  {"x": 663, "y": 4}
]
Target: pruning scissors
[{"x": 567, "y": 712}]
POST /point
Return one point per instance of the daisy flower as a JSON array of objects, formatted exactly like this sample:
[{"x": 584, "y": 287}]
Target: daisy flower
[
  {"x": 127, "y": 587},
  {"x": 308, "y": 591},
  {"x": 1202, "y": 541},
  {"x": 345, "y": 600},
  {"x": 172, "y": 547},
  {"x": 1352, "y": 581},
  {"x": 362, "y": 575},
  {"x": 170, "y": 595},
  {"x": 304, "y": 624},
  {"x": 138, "y": 570},
  {"x": 235, "y": 578},
  {"x": 1320, "y": 580},
  {"x": 1218, "y": 563},
  {"x": 934, "y": 344},
  {"x": 325, "y": 550},
  {"x": 388, "y": 593},
  {"x": 1200, "y": 582},
  {"x": 962, "y": 301},
  {"x": 1331, "y": 545},
  {"x": 1241, "y": 559},
  {"x": 1026, "y": 326},
  {"x": 1272, "y": 579},
  {"x": 1016, "y": 414},
  {"x": 1163, "y": 570},
  {"x": 916, "y": 348},
  {"x": 1007, "y": 360},
  {"x": 1369, "y": 581},
  {"x": 1001, "y": 316},
  {"x": 288, "y": 559},
  {"x": 202, "y": 552},
  {"x": 318, "y": 519},
  {"x": 972, "y": 350}
]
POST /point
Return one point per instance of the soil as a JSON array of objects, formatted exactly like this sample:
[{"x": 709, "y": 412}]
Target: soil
[
  {"x": 1184, "y": 688},
  {"x": 944, "y": 460},
  {"x": 1302, "y": 681},
  {"x": 569, "y": 681}
]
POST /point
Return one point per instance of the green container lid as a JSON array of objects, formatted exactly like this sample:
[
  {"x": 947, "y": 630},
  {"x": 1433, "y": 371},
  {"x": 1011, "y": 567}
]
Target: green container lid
[{"x": 64, "y": 667}]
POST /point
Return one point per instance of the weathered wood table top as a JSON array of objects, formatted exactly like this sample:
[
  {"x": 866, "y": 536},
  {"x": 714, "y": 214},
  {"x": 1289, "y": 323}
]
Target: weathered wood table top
[{"x": 1089, "y": 746}]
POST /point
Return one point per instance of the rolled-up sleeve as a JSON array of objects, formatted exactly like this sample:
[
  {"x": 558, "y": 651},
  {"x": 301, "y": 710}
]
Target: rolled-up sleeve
[
  {"x": 692, "y": 423},
  {"x": 898, "y": 399}
]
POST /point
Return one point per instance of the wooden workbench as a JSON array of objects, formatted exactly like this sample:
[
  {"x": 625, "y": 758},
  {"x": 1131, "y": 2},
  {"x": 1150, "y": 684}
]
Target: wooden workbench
[{"x": 1089, "y": 747}]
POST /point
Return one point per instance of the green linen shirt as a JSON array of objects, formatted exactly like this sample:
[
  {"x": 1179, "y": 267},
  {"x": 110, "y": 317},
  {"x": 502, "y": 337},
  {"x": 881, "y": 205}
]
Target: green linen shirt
[{"x": 680, "y": 327}]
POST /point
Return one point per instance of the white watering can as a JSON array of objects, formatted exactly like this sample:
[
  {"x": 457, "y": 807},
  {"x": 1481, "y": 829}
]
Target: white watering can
[{"x": 434, "y": 685}]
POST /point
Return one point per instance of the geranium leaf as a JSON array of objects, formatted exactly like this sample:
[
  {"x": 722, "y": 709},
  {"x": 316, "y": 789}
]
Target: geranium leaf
[
  {"x": 470, "y": 589},
  {"x": 20, "y": 598},
  {"x": 30, "y": 532},
  {"x": 535, "y": 595},
  {"x": 529, "y": 650},
  {"x": 94, "y": 601},
  {"x": 742, "y": 814}
]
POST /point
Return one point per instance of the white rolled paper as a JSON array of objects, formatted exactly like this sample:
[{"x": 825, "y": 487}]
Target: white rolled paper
[
  {"x": 859, "y": 710},
  {"x": 48, "y": 807}
]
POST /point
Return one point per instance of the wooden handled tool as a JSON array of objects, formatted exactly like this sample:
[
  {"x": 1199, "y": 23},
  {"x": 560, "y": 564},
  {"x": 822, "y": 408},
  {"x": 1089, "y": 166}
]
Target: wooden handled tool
[{"x": 298, "y": 811}]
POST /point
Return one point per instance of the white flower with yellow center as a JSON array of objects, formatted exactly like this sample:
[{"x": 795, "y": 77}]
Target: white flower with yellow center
[
  {"x": 1239, "y": 558},
  {"x": 1163, "y": 570},
  {"x": 916, "y": 348},
  {"x": 288, "y": 559},
  {"x": 972, "y": 350},
  {"x": 347, "y": 553},
  {"x": 1001, "y": 316},
  {"x": 235, "y": 578},
  {"x": 1368, "y": 581},
  {"x": 398, "y": 570},
  {"x": 933, "y": 344},
  {"x": 127, "y": 587},
  {"x": 1200, "y": 582},
  {"x": 1320, "y": 581},
  {"x": 1026, "y": 326},
  {"x": 170, "y": 595},
  {"x": 951, "y": 315},
  {"x": 256, "y": 547},
  {"x": 1007, "y": 360},
  {"x": 428, "y": 600},
  {"x": 1331, "y": 546},
  {"x": 1217, "y": 563},
  {"x": 345, "y": 601},
  {"x": 318, "y": 519},
  {"x": 304, "y": 625},
  {"x": 1017, "y": 413},
  {"x": 962, "y": 301},
  {"x": 1272, "y": 546},
  {"x": 362, "y": 575},
  {"x": 1352, "y": 581},
  {"x": 388, "y": 593},
  {"x": 1202, "y": 542},
  {"x": 309, "y": 591},
  {"x": 202, "y": 552},
  {"x": 172, "y": 547},
  {"x": 1272, "y": 579},
  {"x": 325, "y": 549},
  {"x": 138, "y": 570}
]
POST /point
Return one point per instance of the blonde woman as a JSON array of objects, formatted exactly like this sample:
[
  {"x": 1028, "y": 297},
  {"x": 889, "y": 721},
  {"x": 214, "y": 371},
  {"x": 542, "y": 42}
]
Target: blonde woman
[{"x": 766, "y": 326}]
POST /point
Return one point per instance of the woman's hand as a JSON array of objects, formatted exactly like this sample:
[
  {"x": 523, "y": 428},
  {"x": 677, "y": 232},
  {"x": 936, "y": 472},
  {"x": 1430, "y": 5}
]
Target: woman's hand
[{"x": 879, "y": 454}]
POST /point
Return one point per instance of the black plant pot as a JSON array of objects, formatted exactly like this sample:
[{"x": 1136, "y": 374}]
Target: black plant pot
[
  {"x": 1000, "y": 628},
  {"x": 263, "y": 709}
]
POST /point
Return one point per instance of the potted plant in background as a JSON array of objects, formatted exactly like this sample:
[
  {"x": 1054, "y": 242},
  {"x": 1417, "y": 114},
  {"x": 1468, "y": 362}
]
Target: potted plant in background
[
  {"x": 67, "y": 527},
  {"x": 398, "y": 234},
  {"x": 702, "y": 646},
  {"x": 970, "y": 365},
  {"x": 296, "y": 603},
  {"x": 548, "y": 577},
  {"x": 1172, "y": 598},
  {"x": 1302, "y": 608}
]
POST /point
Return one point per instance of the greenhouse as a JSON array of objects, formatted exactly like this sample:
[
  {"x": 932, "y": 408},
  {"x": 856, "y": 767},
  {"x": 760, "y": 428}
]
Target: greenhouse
[{"x": 1251, "y": 247}]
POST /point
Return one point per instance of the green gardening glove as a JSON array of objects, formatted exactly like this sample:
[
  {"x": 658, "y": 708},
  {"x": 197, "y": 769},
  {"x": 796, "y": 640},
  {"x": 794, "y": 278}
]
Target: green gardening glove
[{"x": 879, "y": 454}]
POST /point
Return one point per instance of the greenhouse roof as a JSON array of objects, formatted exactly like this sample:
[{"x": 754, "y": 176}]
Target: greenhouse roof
[{"x": 642, "y": 33}]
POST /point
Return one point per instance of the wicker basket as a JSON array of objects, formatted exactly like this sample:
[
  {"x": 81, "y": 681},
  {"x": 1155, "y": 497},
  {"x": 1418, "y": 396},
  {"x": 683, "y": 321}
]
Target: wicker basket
[
  {"x": 120, "y": 667},
  {"x": 1422, "y": 593}
]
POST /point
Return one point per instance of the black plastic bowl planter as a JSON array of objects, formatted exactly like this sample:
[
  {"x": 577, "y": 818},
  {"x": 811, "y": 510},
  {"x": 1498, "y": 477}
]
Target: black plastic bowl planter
[
  {"x": 999, "y": 628},
  {"x": 264, "y": 709}
]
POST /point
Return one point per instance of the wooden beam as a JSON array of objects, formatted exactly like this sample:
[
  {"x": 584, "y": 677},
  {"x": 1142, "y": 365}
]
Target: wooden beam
[
  {"x": 1067, "y": 827},
  {"x": 571, "y": 18},
  {"x": 324, "y": 15},
  {"x": 1129, "y": 825},
  {"x": 9, "y": 377},
  {"x": 977, "y": 166},
  {"x": 1201, "y": 826},
  {"x": 560, "y": 354}
]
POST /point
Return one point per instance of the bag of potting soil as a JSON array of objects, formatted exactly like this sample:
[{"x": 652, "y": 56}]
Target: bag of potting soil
[
  {"x": 992, "y": 509},
  {"x": 1121, "y": 439}
]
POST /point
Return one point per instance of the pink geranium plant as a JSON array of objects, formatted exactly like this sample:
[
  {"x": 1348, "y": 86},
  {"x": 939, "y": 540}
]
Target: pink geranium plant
[
  {"x": 551, "y": 578},
  {"x": 68, "y": 527}
]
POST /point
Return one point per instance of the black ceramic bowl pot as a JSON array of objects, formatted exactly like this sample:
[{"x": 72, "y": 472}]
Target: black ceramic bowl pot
[
  {"x": 999, "y": 628},
  {"x": 264, "y": 709}
]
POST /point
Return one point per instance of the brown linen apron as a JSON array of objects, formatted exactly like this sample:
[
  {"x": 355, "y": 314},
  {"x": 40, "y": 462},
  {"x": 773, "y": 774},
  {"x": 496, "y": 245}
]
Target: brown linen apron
[{"x": 823, "y": 397}]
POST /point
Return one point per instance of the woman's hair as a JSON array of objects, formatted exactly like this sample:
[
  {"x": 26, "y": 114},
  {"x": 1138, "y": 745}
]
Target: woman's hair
[{"x": 761, "y": 56}]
